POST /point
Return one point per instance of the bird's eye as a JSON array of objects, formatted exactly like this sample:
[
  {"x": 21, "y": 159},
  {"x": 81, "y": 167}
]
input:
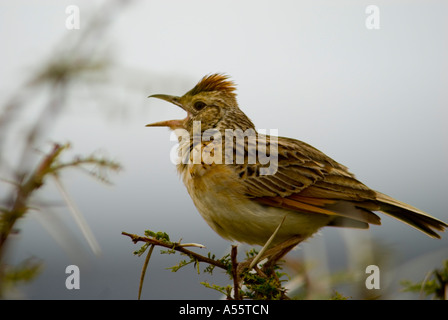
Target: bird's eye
[{"x": 199, "y": 105}]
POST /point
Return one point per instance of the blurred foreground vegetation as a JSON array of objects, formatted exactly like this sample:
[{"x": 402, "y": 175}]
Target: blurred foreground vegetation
[{"x": 26, "y": 166}]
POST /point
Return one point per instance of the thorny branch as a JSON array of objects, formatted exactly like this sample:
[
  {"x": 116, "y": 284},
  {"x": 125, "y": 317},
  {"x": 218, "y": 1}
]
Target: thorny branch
[
  {"x": 177, "y": 247},
  {"x": 50, "y": 165},
  {"x": 262, "y": 284}
]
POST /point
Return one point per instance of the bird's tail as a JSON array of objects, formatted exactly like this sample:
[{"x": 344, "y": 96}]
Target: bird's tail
[{"x": 410, "y": 215}]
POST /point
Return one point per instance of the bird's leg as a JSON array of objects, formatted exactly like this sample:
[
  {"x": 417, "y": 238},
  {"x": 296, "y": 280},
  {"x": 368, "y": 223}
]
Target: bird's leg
[
  {"x": 273, "y": 254},
  {"x": 277, "y": 252}
]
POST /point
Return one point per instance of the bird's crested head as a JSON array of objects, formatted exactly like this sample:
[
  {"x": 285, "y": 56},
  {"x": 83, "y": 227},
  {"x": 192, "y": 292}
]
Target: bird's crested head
[{"x": 212, "y": 102}]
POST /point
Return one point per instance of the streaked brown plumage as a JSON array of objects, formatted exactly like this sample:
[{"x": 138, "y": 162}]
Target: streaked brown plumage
[{"x": 309, "y": 188}]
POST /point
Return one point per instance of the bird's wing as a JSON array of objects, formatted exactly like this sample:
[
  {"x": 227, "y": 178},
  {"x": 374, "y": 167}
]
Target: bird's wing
[{"x": 306, "y": 180}]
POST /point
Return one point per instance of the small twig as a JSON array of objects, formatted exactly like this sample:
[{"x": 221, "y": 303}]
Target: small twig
[
  {"x": 235, "y": 276},
  {"x": 145, "y": 266},
  {"x": 177, "y": 247}
]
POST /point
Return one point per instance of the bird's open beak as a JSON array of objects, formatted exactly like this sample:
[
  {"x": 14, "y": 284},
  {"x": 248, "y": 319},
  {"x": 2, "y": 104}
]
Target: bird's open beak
[{"x": 172, "y": 124}]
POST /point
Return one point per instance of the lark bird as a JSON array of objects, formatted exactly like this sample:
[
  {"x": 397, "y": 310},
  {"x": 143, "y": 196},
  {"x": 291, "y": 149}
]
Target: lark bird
[{"x": 306, "y": 191}]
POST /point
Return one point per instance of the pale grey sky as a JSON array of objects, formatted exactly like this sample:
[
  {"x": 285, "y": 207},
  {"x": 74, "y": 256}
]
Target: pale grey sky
[{"x": 374, "y": 100}]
